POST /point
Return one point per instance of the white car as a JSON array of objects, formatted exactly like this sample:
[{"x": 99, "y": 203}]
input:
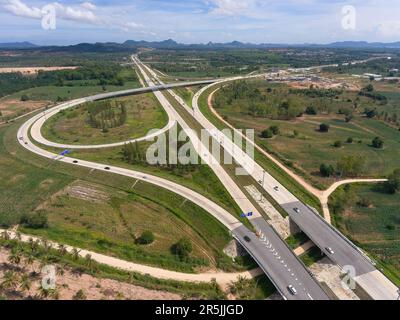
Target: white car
[
  {"x": 292, "y": 290},
  {"x": 297, "y": 210},
  {"x": 330, "y": 251},
  {"x": 276, "y": 188}
]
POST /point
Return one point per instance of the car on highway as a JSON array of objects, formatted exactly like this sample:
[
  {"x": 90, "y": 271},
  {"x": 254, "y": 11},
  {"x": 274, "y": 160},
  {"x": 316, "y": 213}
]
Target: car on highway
[
  {"x": 107, "y": 168},
  {"x": 330, "y": 251},
  {"x": 297, "y": 210},
  {"x": 247, "y": 239},
  {"x": 276, "y": 188},
  {"x": 75, "y": 161},
  {"x": 292, "y": 290}
]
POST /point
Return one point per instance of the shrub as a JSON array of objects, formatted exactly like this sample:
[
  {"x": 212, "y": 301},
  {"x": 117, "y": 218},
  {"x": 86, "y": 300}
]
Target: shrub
[
  {"x": 311, "y": 111},
  {"x": 147, "y": 237},
  {"x": 275, "y": 130},
  {"x": 24, "y": 97},
  {"x": 337, "y": 144},
  {"x": 267, "y": 134},
  {"x": 35, "y": 221},
  {"x": 183, "y": 248},
  {"x": 326, "y": 170},
  {"x": 323, "y": 127},
  {"x": 377, "y": 143},
  {"x": 393, "y": 184},
  {"x": 350, "y": 140}
]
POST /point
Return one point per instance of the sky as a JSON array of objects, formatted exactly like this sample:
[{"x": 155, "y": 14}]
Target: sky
[{"x": 200, "y": 21}]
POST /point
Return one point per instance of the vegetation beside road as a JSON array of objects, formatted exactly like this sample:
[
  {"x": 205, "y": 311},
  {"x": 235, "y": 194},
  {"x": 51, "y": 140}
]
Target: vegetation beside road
[
  {"x": 80, "y": 265},
  {"x": 352, "y": 124},
  {"x": 33, "y": 191},
  {"x": 368, "y": 215},
  {"x": 84, "y": 125}
]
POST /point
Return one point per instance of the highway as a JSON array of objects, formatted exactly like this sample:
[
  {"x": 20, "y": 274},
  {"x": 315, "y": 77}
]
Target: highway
[
  {"x": 36, "y": 128},
  {"x": 260, "y": 250},
  {"x": 270, "y": 251},
  {"x": 288, "y": 269},
  {"x": 317, "y": 229}
]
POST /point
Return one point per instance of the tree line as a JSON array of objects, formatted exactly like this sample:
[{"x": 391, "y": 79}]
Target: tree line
[{"x": 106, "y": 114}]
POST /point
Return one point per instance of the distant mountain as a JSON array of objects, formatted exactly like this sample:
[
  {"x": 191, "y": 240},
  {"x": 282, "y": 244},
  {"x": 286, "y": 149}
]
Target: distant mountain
[
  {"x": 17, "y": 45},
  {"x": 365, "y": 45},
  {"x": 131, "y": 45},
  {"x": 155, "y": 44}
]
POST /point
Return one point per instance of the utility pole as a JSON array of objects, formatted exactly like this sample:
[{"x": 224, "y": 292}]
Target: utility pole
[{"x": 262, "y": 185}]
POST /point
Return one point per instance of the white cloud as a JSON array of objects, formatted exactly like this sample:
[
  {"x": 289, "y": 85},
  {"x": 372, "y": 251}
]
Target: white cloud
[
  {"x": 231, "y": 7},
  {"x": 82, "y": 13},
  {"x": 89, "y": 6},
  {"x": 20, "y": 9}
]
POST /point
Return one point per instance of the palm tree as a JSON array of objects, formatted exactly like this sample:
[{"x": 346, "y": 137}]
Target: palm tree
[
  {"x": 62, "y": 250},
  {"x": 18, "y": 236},
  {"x": 89, "y": 261},
  {"x": 5, "y": 235},
  {"x": 10, "y": 281},
  {"x": 60, "y": 270},
  {"x": 75, "y": 254},
  {"x": 25, "y": 282},
  {"x": 15, "y": 257}
]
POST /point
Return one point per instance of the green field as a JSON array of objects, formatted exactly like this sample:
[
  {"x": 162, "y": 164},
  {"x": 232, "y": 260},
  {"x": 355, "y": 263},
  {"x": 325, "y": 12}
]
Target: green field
[
  {"x": 269, "y": 166},
  {"x": 371, "y": 220},
  {"x": 72, "y": 126},
  {"x": 303, "y": 147},
  {"x": 40, "y": 182}
]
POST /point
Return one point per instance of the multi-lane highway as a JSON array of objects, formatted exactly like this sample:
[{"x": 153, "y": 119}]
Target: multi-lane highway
[
  {"x": 269, "y": 250},
  {"x": 329, "y": 239},
  {"x": 285, "y": 268}
]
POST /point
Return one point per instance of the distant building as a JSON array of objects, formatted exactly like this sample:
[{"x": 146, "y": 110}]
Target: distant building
[{"x": 377, "y": 77}]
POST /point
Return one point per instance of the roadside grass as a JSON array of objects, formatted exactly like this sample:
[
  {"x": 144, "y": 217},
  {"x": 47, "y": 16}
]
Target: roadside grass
[
  {"x": 202, "y": 179},
  {"x": 187, "y": 94},
  {"x": 23, "y": 186},
  {"x": 186, "y": 289},
  {"x": 110, "y": 221},
  {"x": 374, "y": 228},
  {"x": 301, "y": 146},
  {"x": 267, "y": 164},
  {"x": 203, "y": 224},
  {"x": 296, "y": 240},
  {"x": 65, "y": 93},
  {"x": 143, "y": 114},
  {"x": 311, "y": 256}
]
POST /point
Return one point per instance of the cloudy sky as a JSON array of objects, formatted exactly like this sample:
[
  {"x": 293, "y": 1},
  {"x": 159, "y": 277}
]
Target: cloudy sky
[{"x": 200, "y": 21}]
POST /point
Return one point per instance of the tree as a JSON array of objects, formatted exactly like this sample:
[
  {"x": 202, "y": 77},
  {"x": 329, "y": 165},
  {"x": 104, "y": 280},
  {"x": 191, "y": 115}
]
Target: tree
[
  {"x": 393, "y": 184},
  {"x": 371, "y": 113},
  {"x": 10, "y": 281},
  {"x": 368, "y": 88},
  {"x": 350, "y": 140},
  {"x": 183, "y": 248},
  {"x": 311, "y": 111},
  {"x": 147, "y": 237},
  {"x": 326, "y": 170},
  {"x": 24, "y": 97},
  {"x": 25, "y": 283},
  {"x": 349, "y": 117},
  {"x": 275, "y": 130},
  {"x": 267, "y": 134},
  {"x": 351, "y": 165},
  {"x": 35, "y": 220},
  {"x": 337, "y": 144},
  {"x": 79, "y": 295},
  {"x": 323, "y": 127},
  {"x": 377, "y": 143}
]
